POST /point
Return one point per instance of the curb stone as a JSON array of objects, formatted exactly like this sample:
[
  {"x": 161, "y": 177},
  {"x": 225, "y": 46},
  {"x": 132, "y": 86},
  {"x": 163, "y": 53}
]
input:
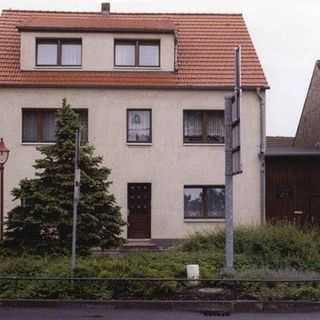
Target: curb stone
[{"x": 236, "y": 306}]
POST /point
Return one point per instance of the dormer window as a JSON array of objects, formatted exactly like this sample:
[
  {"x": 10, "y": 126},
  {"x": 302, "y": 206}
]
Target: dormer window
[
  {"x": 137, "y": 53},
  {"x": 58, "y": 52}
]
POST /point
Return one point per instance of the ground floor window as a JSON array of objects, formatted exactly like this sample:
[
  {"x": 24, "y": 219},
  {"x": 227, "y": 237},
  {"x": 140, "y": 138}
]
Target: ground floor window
[{"x": 204, "y": 202}]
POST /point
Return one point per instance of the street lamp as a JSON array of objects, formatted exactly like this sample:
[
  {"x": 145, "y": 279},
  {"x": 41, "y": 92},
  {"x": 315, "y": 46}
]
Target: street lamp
[{"x": 4, "y": 155}]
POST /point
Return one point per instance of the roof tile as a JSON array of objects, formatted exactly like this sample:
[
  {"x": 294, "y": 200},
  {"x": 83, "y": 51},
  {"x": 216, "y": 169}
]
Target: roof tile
[{"x": 205, "y": 51}]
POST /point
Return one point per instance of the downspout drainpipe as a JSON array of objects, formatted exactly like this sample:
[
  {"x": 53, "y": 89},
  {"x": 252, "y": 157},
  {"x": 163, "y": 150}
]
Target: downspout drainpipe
[{"x": 262, "y": 102}]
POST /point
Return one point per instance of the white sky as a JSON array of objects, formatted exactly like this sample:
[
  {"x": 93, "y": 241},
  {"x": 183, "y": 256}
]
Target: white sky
[{"x": 285, "y": 34}]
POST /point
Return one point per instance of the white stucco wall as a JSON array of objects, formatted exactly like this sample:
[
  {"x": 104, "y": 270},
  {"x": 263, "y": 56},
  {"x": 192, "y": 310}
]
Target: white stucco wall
[
  {"x": 97, "y": 50},
  {"x": 167, "y": 163}
]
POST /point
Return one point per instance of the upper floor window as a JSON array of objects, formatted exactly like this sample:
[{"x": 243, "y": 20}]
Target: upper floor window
[
  {"x": 58, "y": 52},
  {"x": 204, "y": 202},
  {"x": 39, "y": 125},
  {"x": 203, "y": 126},
  {"x": 139, "y": 126},
  {"x": 137, "y": 53}
]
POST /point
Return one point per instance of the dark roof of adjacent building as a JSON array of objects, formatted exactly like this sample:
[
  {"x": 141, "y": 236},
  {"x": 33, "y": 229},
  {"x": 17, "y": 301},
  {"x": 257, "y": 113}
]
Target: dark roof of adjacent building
[
  {"x": 205, "y": 50},
  {"x": 308, "y": 131},
  {"x": 284, "y": 146},
  {"x": 279, "y": 141}
]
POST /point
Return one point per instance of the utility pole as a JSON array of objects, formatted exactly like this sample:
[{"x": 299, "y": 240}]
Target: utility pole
[
  {"x": 232, "y": 159},
  {"x": 76, "y": 198},
  {"x": 229, "y": 230}
]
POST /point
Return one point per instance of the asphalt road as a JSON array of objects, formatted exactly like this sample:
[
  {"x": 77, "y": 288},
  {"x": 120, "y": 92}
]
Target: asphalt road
[{"x": 100, "y": 312}]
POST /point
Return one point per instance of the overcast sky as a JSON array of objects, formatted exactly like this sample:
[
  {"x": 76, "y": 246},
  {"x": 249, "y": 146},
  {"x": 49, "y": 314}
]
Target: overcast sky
[{"x": 285, "y": 33}]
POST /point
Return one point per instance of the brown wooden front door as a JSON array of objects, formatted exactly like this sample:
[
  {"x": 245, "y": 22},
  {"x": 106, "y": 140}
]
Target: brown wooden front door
[
  {"x": 139, "y": 210},
  {"x": 293, "y": 190}
]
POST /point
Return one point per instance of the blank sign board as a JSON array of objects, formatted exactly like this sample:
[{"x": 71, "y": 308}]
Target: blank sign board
[{"x": 236, "y": 146}]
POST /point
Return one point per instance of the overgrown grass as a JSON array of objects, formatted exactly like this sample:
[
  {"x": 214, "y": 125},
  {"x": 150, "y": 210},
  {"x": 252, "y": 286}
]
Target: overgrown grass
[
  {"x": 264, "y": 252},
  {"x": 271, "y": 246},
  {"x": 136, "y": 265}
]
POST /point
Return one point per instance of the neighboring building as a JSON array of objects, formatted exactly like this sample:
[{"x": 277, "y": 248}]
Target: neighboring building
[
  {"x": 292, "y": 166},
  {"x": 308, "y": 132},
  {"x": 150, "y": 91},
  {"x": 292, "y": 182}
]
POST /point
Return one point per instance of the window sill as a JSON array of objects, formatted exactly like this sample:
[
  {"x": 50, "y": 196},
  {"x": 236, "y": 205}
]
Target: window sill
[
  {"x": 190, "y": 144},
  {"x": 66, "y": 68},
  {"x": 137, "y": 144},
  {"x": 37, "y": 143},
  {"x": 204, "y": 220},
  {"x": 137, "y": 68}
]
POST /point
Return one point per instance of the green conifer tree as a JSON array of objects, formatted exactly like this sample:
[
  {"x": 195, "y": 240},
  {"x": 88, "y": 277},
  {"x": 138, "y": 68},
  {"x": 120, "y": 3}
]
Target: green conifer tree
[{"x": 42, "y": 222}]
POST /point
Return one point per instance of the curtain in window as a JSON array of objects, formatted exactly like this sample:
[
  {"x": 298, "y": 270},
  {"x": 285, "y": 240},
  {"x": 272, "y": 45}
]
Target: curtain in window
[
  {"x": 83, "y": 115},
  {"x": 71, "y": 54},
  {"x": 215, "y": 126},
  {"x": 193, "y": 124},
  {"x": 29, "y": 126},
  {"x": 139, "y": 126},
  {"x": 49, "y": 126},
  {"x": 148, "y": 55},
  {"x": 125, "y": 55},
  {"x": 47, "y": 54}
]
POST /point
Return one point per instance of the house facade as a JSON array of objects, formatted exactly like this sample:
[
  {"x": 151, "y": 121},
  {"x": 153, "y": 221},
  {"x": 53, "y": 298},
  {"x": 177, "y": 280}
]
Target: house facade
[{"x": 150, "y": 92}]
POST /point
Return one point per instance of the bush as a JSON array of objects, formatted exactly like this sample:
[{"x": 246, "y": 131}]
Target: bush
[
  {"x": 272, "y": 246},
  {"x": 266, "y": 252},
  {"x": 169, "y": 264}
]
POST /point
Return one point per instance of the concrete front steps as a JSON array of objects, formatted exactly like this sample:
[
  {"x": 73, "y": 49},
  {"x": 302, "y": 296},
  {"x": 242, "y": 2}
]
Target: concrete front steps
[
  {"x": 135, "y": 245},
  {"x": 140, "y": 245}
]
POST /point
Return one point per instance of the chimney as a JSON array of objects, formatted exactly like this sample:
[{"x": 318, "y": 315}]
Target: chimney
[{"x": 105, "y": 8}]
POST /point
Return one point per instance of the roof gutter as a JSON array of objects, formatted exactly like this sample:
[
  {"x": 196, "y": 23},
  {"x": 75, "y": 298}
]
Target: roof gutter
[
  {"x": 94, "y": 29},
  {"x": 262, "y": 153},
  {"x": 54, "y": 85},
  {"x": 292, "y": 154}
]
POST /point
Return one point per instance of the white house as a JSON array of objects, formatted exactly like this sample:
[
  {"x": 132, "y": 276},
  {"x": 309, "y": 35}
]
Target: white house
[{"x": 150, "y": 90}]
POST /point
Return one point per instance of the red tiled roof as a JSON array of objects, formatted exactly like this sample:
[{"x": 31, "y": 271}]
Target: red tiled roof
[
  {"x": 98, "y": 24},
  {"x": 205, "y": 53}
]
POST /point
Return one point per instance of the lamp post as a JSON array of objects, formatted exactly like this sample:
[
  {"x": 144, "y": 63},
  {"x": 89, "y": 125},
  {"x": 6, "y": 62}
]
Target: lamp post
[{"x": 4, "y": 155}]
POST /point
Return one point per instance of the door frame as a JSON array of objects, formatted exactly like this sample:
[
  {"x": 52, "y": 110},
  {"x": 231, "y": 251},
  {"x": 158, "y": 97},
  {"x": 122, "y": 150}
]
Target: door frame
[{"x": 150, "y": 216}]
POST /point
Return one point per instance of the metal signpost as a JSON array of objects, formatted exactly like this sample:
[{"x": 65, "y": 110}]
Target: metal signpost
[
  {"x": 76, "y": 198},
  {"x": 232, "y": 159}
]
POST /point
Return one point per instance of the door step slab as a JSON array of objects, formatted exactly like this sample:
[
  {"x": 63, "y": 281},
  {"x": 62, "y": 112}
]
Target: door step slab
[{"x": 140, "y": 244}]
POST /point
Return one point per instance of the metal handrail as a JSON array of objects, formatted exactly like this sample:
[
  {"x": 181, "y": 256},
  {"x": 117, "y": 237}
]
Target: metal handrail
[{"x": 144, "y": 279}]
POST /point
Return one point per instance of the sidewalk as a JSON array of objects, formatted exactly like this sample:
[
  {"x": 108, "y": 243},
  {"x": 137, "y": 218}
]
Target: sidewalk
[
  {"x": 236, "y": 306},
  {"x": 89, "y": 312}
]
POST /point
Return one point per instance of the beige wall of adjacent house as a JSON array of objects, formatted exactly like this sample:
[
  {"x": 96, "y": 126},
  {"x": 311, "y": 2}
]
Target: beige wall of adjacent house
[
  {"x": 168, "y": 164},
  {"x": 97, "y": 50}
]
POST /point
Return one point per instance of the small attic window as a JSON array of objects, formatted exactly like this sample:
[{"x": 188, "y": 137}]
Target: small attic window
[
  {"x": 137, "y": 53},
  {"x": 58, "y": 52}
]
